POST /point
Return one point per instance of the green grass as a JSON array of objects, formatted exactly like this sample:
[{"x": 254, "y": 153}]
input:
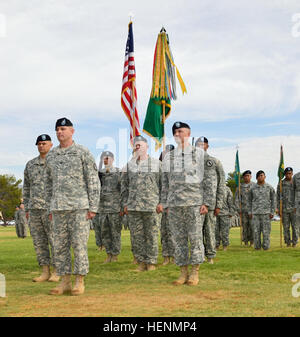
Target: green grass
[{"x": 242, "y": 282}]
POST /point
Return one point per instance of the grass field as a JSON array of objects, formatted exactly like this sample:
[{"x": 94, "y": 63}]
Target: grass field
[{"x": 242, "y": 282}]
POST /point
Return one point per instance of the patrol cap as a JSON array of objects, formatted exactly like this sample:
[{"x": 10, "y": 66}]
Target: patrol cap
[
  {"x": 63, "y": 122},
  {"x": 201, "y": 139},
  {"x": 259, "y": 172},
  {"x": 246, "y": 172},
  {"x": 170, "y": 147},
  {"x": 179, "y": 125},
  {"x": 107, "y": 154},
  {"x": 288, "y": 169},
  {"x": 42, "y": 138},
  {"x": 139, "y": 139}
]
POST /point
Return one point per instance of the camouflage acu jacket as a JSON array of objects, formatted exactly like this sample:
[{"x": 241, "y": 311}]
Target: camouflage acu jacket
[
  {"x": 187, "y": 179},
  {"x": 33, "y": 187},
  {"x": 110, "y": 197},
  {"x": 141, "y": 185},
  {"x": 287, "y": 196},
  {"x": 245, "y": 189},
  {"x": 262, "y": 199},
  {"x": 228, "y": 207},
  {"x": 71, "y": 179}
]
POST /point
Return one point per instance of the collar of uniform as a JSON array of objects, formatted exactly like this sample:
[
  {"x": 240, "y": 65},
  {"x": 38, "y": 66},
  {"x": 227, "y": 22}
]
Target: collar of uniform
[
  {"x": 66, "y": 149},
  {"x": 187, "y": 149}
]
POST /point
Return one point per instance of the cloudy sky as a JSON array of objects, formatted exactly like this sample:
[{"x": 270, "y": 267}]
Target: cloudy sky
[{"x": 239, "y": 60}]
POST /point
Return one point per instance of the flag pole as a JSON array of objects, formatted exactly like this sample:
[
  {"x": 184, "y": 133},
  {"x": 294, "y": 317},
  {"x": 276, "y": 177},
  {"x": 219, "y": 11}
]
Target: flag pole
[
  {"x": 241, "y": 216},
  {"x": 280, "y": 184},
  {"x": 133, "y": 107},
  {"x": 163, "y": 120}
]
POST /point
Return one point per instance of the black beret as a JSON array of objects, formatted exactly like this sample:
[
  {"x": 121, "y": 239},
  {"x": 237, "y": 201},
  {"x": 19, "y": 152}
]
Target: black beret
[
  {"x": 201, "y": 140},
  {"x": 63, "y": 122},
  {"x": 179, "y": 125},
  {"x": 288, "y": 169},
  {"x": 246, "y": 172},
  {"x": 170, "y": 147},
  {"x": 259, "y": 172},
  {"x": 42, "y": 138},
  {"x": 107, "y": 154},
  {"x": 139, "y": 139}
]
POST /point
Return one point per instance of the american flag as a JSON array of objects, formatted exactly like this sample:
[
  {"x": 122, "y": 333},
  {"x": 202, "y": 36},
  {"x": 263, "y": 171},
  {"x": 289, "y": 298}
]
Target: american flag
[{"x": 129, "y": 96}]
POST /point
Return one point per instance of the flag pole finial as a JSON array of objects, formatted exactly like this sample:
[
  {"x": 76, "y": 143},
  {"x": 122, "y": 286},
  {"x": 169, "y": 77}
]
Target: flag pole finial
[
  {"x": 163, "y": 30},
  {"x": 131, "y": 16}
]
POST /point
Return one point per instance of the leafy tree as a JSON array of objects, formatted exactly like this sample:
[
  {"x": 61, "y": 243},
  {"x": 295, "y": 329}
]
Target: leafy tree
[
  {"x": 230, "y": 182},
  {"x": 10, "y": 195}
]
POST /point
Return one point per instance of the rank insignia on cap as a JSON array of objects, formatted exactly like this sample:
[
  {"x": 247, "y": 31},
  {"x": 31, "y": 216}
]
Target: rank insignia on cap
[
  {"x": 63, "y": 122},
  {"x": 209, "y": 163},
  {"x": 177, "y": 124},
  {"x": 44, "y": 137}
]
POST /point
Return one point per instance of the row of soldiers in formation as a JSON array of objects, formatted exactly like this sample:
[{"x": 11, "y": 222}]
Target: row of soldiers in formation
[{"x": 185, "y": 191}]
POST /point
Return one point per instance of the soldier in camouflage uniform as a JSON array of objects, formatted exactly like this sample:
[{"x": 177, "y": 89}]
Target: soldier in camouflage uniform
[
  {"x": 36, "y": 211},
  {"x": 72, "y": 197},
  {"x": 288, "y": 214},
  {"x": 224, "y": 219},
  {"x": 296, "y": 200},
  {"x": 16, "y": 217},
  {"x": 262, "y": 203},
  {"x": 242, "y": 204},
  {"x": 214, "y": 166},
  {"x": 186, "y": 195},
  {"x": 167, "y": 245},
  {"x": 140, "y": 194},
  {"x": 23, "y": 223},
  {"x": 110, "y": 207}
]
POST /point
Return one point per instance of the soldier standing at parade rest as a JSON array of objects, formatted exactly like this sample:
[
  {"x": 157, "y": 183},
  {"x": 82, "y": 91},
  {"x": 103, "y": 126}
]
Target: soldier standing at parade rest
[
  {"x": 110, "y": 207},
  {"x": 17, "y": 225},
  {"x": 224, "y": 219},
  {"x": 296, "y": 200},
  {"x": 36, "y": 211},
  {"x": 140, "y": 194},
  {"x": 262, "y": 201},
  {"x": 288, "y": 214},
  {"x": 23, "y": 223},
  {"x": 242, "y": 204},
  {"x": 187, "y": 195},
  {"x": 72, "y": 197},
  {"x": 167, "y": 245},
  {"x": 217, "y": 175}
]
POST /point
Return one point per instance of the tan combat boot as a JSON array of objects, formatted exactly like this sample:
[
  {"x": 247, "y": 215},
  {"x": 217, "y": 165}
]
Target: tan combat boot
[
  {"x": 166, "y": 260},
  {"x": 210, "y": 261},
  {"x": 64, "y": 286},
  {"x": 54, "y": 277},
  {"x": 151, "y": 267},
  {"x": 183, "y": 276},
  {"x": 142, "y": 266},
  {"x": 134, "y": 260},
  {"x": 172, "y": 260},
  {"x": 44, "y": 276},
  {"x": 194, "y": 276},
  {"x": 224, "y": 248},
  {"x": 79, "y": 285},
  {"x": 114, "y": 258},
  {"x": 108, "y": 259}
]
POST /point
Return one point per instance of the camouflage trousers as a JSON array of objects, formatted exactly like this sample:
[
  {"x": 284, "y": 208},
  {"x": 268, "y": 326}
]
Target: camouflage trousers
[
  {"x": 288, "y": 221},
  {"x": 111, "y": 227},
  {"x": 247, "y": 233},
  {"x": 209, "y": 235},
  {"x": 40, "y": 230},
  {"x": 70, "y": 229},
  {"x": 166, "y": 236},
  {"x": 222, "y": 230},
  {"x": 261, "y": 226},
  {"x": 186, "y": 226},
  {"x": 97, "y": 229},
  {"x": 144, "y": 236}
]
